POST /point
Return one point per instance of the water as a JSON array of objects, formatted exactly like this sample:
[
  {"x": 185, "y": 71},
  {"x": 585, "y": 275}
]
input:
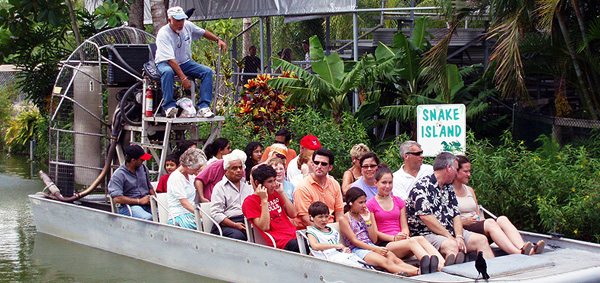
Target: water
[{"x": 26, "y": 256}]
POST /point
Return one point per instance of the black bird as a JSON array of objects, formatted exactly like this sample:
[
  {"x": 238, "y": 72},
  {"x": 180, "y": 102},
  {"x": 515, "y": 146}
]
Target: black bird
[
  {"x": 481, "y": 266},
  {"x": 190, "y": 12}
]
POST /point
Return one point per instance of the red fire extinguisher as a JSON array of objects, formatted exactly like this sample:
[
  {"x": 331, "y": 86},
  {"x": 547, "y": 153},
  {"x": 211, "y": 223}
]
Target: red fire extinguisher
[{"x": 149, "y": 100}]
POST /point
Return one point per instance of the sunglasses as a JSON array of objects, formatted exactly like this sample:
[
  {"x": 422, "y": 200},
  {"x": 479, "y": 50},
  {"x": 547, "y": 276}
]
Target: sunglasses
[
  {"x": 415, "y": 153},
  {"x": 369, "y": 166},
  {"x": 321, "y": 163}
]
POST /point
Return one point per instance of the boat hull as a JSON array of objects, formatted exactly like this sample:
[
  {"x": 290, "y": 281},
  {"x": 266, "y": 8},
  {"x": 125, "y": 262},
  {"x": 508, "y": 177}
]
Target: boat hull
[{"x": 187, "y": 250}]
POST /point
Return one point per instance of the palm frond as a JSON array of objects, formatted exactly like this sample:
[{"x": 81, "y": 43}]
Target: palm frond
[
  {"x": 402, "y": 113},
  {"x": 545, "y": 12}
]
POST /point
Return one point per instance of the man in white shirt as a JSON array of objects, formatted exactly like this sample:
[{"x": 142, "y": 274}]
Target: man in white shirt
[
  {"x": 174, "y": 57},
  {"x": 412, "y": 169},
  {"x": 228, "y": 197}
]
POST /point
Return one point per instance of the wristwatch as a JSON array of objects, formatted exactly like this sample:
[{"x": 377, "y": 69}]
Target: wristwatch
[{"x": 218, "y": 38}]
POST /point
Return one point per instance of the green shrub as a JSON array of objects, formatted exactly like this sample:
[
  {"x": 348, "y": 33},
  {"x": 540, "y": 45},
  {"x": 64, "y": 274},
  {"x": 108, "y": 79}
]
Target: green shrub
[
  {"x": 539, "y": 191},
  {"x": 7, "y": 95},
  {"x": 23, "y": 128}
]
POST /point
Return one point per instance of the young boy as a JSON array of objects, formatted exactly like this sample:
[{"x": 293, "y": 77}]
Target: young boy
[
  {"x": 171, "y": 164},
  {"x": 269, "y": 207},
  {"x": 323, "y": 241}
]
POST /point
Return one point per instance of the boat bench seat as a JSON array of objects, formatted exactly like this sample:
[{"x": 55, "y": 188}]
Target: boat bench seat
[{"x": 254, "y": 235}]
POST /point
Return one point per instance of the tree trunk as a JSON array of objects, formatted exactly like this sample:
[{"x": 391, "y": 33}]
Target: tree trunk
[
  {"x": 578, "y": 72},
  {"x": 136, "y": 14},
  {"x": 159, "y": 14},
  {"x": 246, "y": 37}
]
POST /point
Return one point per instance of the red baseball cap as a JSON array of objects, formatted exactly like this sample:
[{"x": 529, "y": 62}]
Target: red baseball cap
[
  {"x": 137, "y": 152},
  {"x": 310, "y": 142}
]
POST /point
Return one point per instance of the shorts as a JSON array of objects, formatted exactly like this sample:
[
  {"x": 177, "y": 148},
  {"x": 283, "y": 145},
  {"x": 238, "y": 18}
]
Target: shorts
[
  {"x": 362, "y": 253},
  {"x": 476, "y": 227},
  {"x": 437, "y": 240}
]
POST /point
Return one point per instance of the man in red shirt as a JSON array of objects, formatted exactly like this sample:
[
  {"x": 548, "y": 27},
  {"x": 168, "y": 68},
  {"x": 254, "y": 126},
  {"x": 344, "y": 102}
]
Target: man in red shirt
[{"x": 269, "y": 207}]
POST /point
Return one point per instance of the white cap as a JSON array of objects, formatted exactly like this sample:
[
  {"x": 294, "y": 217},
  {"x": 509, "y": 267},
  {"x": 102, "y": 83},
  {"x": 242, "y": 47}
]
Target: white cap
[{"x": 176, "y": 13}]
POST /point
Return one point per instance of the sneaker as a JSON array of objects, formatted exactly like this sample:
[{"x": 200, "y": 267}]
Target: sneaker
[
  {"x": 171, "y": 112},
  {"x": 205, "y": 113}
]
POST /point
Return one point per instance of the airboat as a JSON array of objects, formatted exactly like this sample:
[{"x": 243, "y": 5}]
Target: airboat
[{"x": 99, "y": 107}]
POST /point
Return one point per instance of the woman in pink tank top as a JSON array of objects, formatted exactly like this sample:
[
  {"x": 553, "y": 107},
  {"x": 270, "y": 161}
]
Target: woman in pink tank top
[{"x": 392, "y": 227}]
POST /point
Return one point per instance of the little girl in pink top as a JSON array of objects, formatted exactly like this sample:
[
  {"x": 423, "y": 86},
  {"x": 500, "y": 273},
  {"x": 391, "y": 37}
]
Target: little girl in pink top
[{"x": 392, "y": 227}]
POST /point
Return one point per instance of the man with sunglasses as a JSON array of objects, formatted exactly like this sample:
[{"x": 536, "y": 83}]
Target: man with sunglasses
[
  {"x": 318, "y": 186},
  {"x": 412, "y": 169},
  {"x": 174, "y": 57}
]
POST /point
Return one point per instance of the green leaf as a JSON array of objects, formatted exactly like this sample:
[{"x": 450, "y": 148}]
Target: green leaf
[
  {"x": 316, "y": 49},
  {"x": 100, "y": 23},
  {"x": 123, "y": 16},
  {"x": 419, "y": 32},
  {"x": 331, "y": 69},
  {"x": 383, "y": 52}
]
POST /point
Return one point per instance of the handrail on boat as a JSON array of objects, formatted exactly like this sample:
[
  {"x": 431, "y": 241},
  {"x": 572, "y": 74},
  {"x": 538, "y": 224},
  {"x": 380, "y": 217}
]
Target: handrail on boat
[{"x": 200, "y": 217}]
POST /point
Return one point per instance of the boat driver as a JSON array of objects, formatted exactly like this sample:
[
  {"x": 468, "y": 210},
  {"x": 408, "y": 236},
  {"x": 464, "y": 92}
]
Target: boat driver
[
  {"x": 174, "y": 57},
  {"x": 130, "y": 186}
]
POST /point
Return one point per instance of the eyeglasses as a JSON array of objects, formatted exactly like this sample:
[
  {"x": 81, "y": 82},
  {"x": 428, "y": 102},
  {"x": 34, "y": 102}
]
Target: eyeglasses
[
  {"x": 369, "y": 166},
  {"x": 321, "y": 163},
  {"x": 178, "y": 41},
  {"x": 415, "y": 153}
]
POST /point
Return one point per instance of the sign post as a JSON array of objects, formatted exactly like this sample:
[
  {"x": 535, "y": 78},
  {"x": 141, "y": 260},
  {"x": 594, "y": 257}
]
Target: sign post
[{"x": 442, "y": 127}]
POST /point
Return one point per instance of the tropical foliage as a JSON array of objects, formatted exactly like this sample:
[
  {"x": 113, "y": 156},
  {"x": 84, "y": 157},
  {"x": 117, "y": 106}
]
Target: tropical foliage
[
  {"x": 332, "y": 80},
  {"x": 265, "y": 106}
]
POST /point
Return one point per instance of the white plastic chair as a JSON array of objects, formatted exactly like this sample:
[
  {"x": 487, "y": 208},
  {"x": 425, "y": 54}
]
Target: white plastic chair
[
  {"x": 255, "y": 236},
  {"x": 161, "y": 206},
  {"x": 206, "y": 221},
  {"x": 114, "y": 207}
]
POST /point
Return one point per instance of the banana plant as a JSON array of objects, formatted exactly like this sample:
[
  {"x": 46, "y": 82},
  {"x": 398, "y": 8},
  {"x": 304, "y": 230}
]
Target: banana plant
[{"x": 331, "y": 82}]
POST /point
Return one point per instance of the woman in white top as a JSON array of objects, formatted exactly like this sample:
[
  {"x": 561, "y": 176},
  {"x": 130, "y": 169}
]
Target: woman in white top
[
  {"x": 181, "y": 191},
  {"x": 500, "y": 230}
]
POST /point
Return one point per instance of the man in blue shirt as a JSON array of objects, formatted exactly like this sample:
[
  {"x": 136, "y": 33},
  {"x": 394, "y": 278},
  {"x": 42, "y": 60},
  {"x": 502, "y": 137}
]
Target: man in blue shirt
[
  {"x": 174, "y": 57},
  {"x": 130, "y": 185}
]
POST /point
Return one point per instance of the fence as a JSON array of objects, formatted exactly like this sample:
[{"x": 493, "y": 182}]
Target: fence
[{"x": 576, "y": 132}]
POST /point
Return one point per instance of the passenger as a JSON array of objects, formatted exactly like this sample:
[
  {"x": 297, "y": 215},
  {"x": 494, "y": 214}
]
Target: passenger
[
  {"x": 304, "y": 162},
  {"x": 352, "y": 174},
  {"x": 180, "y": 189},
  {"x": 216, "y": 150},
  {"x": 500, "y": 230},
  {"x": 254, "y": 151},
  {"x": 130, "y": 184},
  {"x": 412, "y": 169},
  {"x": 433, "y": 212},
  {"x": 392, "y": 228},
  {"x": 324, "y": 242},
  {"x": 284, "y": 137},
  {"x": 228, "y": 196},
  {"x": 319, "y": 186},
  {"x": 207, "y": 179},
  {"x": 171, "y": 164},
  {"x": 279, "y": 165},
  {"x": 174, "y": 57},
  {"x": 308, "y": 142},
  {"x": 359, "y": 227},
  {"x": 183, "y": 146},
  {"x": 269, "y": 209},
  {"x": 369, "y": 163}
]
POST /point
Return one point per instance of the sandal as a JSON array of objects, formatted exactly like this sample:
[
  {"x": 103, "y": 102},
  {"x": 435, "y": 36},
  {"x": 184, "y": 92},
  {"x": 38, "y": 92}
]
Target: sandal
[
  {"x": 425, "y": 264},
  {"x": 526, "y": 249},
  {"x": 460, "y": 258},
  {"x": 450, "y": 259},
  {"x": 404, "y": 274},
  {"x": 538, "y": 247},
  {"x": 433, "y": 264}
]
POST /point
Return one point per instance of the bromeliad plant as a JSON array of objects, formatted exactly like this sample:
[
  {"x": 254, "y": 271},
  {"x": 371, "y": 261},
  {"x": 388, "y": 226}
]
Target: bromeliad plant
[{"x": 265, "y": 105}]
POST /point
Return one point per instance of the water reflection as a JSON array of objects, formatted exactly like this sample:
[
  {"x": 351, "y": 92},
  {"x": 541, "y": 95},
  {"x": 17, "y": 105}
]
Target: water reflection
[{"x": 27, "y": 257}]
